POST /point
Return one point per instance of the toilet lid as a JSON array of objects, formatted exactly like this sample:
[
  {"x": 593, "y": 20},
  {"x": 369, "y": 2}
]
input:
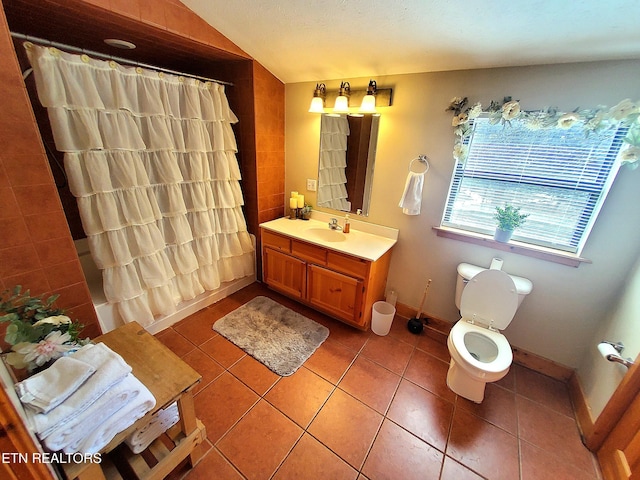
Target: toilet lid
[{"x": 490, "y": 298}]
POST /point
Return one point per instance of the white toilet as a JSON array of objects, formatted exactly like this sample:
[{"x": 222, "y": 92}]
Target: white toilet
[{"x": 488, "y": 300}]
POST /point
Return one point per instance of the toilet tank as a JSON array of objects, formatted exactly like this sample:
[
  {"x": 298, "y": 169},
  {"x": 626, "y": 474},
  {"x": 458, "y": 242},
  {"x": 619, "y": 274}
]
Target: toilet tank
[{"x": 466, "y": 272}]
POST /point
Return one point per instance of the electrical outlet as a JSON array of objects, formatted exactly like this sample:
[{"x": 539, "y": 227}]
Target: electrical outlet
[{"x": 311, "y": 184}]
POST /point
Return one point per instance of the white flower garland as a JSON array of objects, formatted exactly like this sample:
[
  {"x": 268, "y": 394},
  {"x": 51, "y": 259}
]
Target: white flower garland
[{"x": 626, "y": 113}]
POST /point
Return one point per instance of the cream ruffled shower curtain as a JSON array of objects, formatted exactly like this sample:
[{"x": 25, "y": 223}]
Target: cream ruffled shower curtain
[
  {"x": 332, "y": 189},
  {"x": 152, "y": 161}
]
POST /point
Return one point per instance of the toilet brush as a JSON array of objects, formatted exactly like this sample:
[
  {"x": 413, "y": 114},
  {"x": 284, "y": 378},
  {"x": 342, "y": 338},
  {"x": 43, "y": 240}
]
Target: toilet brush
[{"x": 416, "y": 323}]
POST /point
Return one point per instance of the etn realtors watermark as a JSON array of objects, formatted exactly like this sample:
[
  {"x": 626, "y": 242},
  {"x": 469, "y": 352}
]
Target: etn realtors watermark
[{"x": 48, "y": 457}]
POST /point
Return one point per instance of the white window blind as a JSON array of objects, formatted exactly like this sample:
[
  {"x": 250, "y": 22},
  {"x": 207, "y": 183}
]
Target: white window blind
[{"x": 558, "y": 176}]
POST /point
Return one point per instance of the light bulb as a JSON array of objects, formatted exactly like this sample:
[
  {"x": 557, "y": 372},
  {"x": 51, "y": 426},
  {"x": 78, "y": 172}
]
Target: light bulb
[
  {"x": 368, "y": 104},
  {"x": 341, "y": 105},
  {"x": 317, "y": 102},
  {"x": 342, "y": 102},
  {"x": 317, "y": 105}
]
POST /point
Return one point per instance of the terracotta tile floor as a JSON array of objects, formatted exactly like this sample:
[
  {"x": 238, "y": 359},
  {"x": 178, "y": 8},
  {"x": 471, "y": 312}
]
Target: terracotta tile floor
[{"x": 369, "y": 407}]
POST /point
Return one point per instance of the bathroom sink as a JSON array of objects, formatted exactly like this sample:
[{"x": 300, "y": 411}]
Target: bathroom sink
[
  {"x": 366, "y": 241},
  {"x": 326, "y": 235}
]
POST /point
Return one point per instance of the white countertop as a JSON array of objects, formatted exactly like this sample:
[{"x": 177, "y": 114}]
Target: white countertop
[{"x": 359, "y": 243}]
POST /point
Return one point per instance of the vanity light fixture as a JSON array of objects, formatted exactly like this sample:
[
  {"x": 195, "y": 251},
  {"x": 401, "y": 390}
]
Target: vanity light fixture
[
  {"x": 317, "y": 102},
  {"x": 342, "y": 102},
  {"x": 336, "y": 102},
  {"x": 369, "y": 100}
]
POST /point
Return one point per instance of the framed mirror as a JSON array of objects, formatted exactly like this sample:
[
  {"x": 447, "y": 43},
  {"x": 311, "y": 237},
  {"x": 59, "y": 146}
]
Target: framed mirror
[{"x": 347, "y": 160}]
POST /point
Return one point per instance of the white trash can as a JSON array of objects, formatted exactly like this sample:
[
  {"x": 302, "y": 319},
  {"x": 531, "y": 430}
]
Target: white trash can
[{"x": 382, "y": 317}]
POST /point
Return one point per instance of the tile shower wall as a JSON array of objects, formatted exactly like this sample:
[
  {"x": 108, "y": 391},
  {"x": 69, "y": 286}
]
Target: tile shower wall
[
  {"x": 269, "y": 114},
  {"x": 36, "y": 248}
]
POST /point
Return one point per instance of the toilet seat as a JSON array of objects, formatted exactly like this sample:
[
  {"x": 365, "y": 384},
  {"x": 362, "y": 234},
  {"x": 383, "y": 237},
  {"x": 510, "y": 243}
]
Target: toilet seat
[
  {"x": 490, "y": 299},
  {"x": 503, "y": 359},
  {"x": 488, "y": 303}
]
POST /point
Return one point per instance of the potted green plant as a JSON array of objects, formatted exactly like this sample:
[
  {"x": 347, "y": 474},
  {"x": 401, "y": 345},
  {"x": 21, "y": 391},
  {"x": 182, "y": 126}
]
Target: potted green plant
[{"x": 509, "y": 218}]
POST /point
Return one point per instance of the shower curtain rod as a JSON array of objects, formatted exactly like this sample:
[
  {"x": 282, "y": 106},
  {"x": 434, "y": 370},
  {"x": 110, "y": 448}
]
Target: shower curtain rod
[{"x": 63, "y": 46}]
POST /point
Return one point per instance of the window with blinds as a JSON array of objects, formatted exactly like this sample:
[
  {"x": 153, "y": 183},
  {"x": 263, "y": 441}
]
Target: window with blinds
[{"x": 558, "y": 176}]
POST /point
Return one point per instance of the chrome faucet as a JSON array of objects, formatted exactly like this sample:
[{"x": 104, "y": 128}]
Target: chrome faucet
[{"x": 333, "y": 224}]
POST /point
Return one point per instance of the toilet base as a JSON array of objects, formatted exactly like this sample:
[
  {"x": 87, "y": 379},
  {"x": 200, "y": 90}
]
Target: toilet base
[{"x": 465, "y": 385}]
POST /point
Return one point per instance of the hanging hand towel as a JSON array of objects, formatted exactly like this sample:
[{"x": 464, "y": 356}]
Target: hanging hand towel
[{"x": 412, "y": 196}]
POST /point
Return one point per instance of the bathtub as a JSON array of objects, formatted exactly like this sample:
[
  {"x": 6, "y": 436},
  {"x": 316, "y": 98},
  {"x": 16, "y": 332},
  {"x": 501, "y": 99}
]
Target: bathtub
[{"x": 108, "y": 315}]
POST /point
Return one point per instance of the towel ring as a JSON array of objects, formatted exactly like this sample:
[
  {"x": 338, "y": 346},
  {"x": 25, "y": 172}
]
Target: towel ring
[{"x": 421, "y": 159}]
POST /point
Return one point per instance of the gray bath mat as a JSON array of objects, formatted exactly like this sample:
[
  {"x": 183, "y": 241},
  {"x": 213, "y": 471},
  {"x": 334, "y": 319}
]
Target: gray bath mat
[{"x": 274, "y": 335}]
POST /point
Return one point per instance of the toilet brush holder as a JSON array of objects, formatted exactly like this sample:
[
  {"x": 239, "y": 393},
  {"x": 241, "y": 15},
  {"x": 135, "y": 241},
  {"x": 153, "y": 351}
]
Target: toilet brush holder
[{"x": 416, "y": 324}]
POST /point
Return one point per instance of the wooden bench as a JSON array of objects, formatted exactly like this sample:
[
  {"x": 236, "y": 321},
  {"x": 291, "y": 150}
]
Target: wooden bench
[{"x": 169, "y": 379}]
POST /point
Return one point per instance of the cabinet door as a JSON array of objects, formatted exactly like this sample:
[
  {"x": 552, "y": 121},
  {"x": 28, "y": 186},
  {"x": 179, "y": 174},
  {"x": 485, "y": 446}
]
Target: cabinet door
[
  {"x": 337, "y": 294},
  {"x": 284, "y": 272}
]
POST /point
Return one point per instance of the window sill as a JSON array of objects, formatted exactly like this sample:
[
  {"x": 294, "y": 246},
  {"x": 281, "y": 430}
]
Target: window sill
[{"x": 513, "y": 246}]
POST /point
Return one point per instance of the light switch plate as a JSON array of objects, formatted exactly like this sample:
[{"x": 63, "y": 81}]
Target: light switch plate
[{"x": 311, "y": 184}]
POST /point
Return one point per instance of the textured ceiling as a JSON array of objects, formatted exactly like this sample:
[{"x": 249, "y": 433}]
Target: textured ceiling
[{"x": 307, "y": 40}]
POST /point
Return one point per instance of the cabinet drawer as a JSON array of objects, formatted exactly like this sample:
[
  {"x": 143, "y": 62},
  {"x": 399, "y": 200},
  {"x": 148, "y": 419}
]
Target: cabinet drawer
[
  {"x": 276, "y": 241},
  {"x": 311, "y": 253},
  {"x": 357, "y": 267}
]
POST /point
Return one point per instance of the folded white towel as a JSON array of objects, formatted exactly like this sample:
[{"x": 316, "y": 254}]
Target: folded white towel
[
  {"x": 159, "y": 423},
  {"x": 49, "y": 388},
  {"x": 122, "y": 419},
  {"x": 412, "y": 196},
  {"x": 75, "y": 430},
  {"x": 110, "y": 369}
]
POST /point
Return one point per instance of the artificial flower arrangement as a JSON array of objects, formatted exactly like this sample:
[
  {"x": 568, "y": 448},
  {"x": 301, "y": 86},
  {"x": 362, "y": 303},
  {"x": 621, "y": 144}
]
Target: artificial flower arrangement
[
  {"x": 38, "y": 332},
  {"x": 624, "y": 113},
  {"x": 305, "y": 212}
]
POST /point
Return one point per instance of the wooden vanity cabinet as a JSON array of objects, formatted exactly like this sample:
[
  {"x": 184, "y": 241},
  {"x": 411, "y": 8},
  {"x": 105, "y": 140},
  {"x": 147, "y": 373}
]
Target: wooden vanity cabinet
[{"x": 340, "y": 285}]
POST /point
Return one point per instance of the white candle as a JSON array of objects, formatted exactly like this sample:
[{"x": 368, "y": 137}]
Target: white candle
[
  {"x": 293, "y": 202},
  {"x": 294, "y": 194},
  {"x": 300, "y": 201}
]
